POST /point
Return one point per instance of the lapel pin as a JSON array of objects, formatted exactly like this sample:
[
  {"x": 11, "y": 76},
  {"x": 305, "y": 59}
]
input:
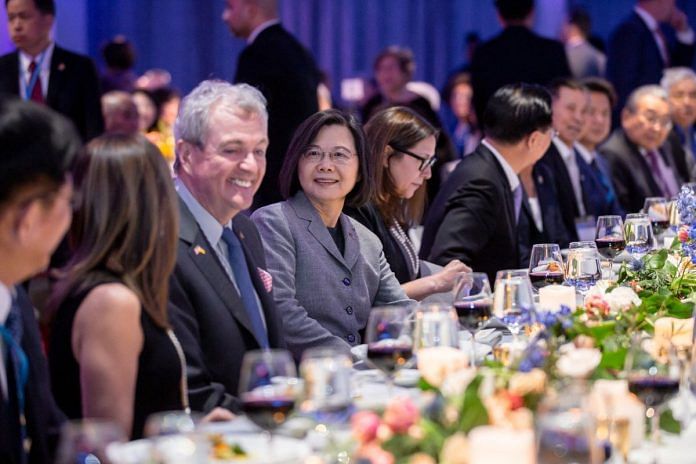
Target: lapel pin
[
  {"x": 199, "y": 250},
  {"x": 241, "y": 235},
  {"x": 61, "y": 67}
]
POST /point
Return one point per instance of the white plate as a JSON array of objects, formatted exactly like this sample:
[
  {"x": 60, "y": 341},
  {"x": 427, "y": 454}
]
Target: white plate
[{"x": 178, "y": 448}]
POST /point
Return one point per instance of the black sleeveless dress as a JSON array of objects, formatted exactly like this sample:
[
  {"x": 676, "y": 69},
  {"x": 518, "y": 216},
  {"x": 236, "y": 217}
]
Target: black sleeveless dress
[{"x": 158, "y": 383}]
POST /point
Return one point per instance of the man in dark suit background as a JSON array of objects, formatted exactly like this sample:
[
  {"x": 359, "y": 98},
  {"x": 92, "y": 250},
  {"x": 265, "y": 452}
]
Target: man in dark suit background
[
  {"x": 474, "y": 216},
  {"x": 63, "y": 80},
  {"x": 641, "y": 163},
  {"x": 517, "y": 54},
  {"x": 220, "y": 288},
  {"x": 283, "y": 70},
  {"x": 37, "y": 148},
  {"x": 656, "y": 35}
]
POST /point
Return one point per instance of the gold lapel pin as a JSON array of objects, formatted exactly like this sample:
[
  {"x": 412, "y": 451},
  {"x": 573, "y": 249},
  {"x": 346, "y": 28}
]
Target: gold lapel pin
[{"x": 199, "y": 250}]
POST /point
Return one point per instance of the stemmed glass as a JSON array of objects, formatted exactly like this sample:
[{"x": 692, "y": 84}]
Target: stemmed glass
[
  {"x": 583, "y": 268},
  {"x": 657, "y": 210},
  {"x": 473, "y": 301},
  {"x": 268, "y": 388},
  {"x": 545, "y": 265},
  {"x": 639, "y": 234},
  {"x": 435, "y": 325},
  {"x": 389, "y": 340},
  {"x": 326, "y": 375},
  {"x": 652, "y": 371},
  {"x": 87, "y": 440},
  {"x": 609, "y": 238},
  {"x": 513, "y": 302}
]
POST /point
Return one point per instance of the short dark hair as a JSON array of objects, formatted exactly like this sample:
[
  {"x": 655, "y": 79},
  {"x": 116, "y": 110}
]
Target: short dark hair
[
  {"x": 603, "y": 86},
  {"x": 402, "y": 55},
  {"x": 581, "y": 19},
  {"x": 37, "y": 147},
  {"x": 515, "y": 111},
  {"x": 514, "y": 10},
  {"x": 305, "y": 135},
  {"x": 568, "y": 82},
  {"x": 455, "y": 80},
  {"x": 119, "y": 53},
  {"x": 44, "y": 6}
]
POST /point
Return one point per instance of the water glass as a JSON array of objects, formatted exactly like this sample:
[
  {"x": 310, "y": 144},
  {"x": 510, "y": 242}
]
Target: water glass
[
  {"x": 657, "y": 210},
  {"x": 583, "y": 268},
  {"x": 545, "y": 265},
  {"x": 513, "y": 303},
  {"x": 639, "y": 234},
  {"x": 326, "y": 375},
  {"x": 435, "y": 325},
  {"x": 85, "y": 441}
]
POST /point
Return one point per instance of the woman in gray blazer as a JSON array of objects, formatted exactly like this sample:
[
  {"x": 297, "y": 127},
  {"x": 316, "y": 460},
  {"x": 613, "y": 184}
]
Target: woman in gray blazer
[{"x": 328, "y": 269}]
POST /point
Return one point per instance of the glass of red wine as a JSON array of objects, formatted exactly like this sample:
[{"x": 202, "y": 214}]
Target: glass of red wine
[
  {"x": 473, "y": 302},
  {"x": 657, "y": 209},
  {"x": 268, "y": 388},
  {"x": 389, "y": 340},
  {"x": 609, "y": 238},
  {"x": 653, "y": 374},
  {"x": 545, "y": 266}
]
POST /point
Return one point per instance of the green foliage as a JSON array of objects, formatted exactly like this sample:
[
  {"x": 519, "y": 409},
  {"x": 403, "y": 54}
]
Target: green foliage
[{"x": 472, "y": 412}]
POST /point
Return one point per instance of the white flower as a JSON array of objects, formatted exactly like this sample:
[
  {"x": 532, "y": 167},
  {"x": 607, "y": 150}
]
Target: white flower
[
  {"x": 619, "y": 299},
  {"x": 436, "y": 363},
  {"x": 579, "y": 362}
]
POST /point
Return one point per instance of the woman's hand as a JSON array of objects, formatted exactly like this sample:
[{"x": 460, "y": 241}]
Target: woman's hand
[
  {"x": 218, "y": 415},
  {"x": 446, "y": 277}
]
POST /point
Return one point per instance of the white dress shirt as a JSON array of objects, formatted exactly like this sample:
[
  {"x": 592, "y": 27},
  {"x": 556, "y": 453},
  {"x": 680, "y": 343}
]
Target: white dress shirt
[
  {"x": 45, "y": 73},
  {"x": 568, "y": 156},
  {"x": 510, "y": 173},
  {"x": 5, "y": 305}
]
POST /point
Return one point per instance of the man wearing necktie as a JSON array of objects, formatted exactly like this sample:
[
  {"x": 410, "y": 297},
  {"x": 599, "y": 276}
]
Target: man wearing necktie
[
  {"x": 641, "y": 163},
  {"x": 680, "y": 84},
  {"x": 37, "y": 148},
  {"x": 41, "y": 71},
  {"x": 220, "y": 289}
]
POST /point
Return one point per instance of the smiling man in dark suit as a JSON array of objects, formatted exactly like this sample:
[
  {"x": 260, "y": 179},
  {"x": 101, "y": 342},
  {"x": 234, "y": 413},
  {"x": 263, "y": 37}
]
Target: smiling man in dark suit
[
  {"x": 474, "y": 216},
  {"x": 283, "y": 70},
  {"x": 220, "y": 288},
  {"x": 42, "y": 71}
]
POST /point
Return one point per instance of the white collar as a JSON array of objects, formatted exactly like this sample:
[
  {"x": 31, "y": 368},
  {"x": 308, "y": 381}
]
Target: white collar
[
  {"x": 260, "y": 28},
  {"x": 510, "y": 173},
  {"x": 586, "y": 154},
  {"x": 5, "y": 302},
  {"x": 210, "y": 226},
  {"x": 647, "y": 18},
  {"x": 25, "y": 60},
  {"x": 564, "y": 150}
]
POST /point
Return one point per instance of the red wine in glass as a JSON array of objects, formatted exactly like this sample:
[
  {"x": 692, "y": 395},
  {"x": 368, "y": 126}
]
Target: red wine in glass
[
  {"x": 542, "y": 279},
  {"x": 610, "y": 247},
  {"x": 389, "y": 357},
  {"x": 268, "y": 413},
  {"x": 653, "y": 390},
  {"x": 473, "y": 314},
  {"x": 660, "y": 226}
]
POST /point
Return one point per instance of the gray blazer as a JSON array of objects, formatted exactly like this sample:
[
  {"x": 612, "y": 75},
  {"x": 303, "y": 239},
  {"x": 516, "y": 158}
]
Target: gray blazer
[{"x": 323, "y": 297}]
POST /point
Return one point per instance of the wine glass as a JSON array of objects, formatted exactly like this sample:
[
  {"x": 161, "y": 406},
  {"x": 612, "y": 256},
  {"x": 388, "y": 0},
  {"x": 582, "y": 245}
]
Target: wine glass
[
  {"x": 435, "y": 325},
  {"x": 268, "y": 388},
  {"x": 171, "y": 423},
  {"x": 583, "y": 268},
  {"x": 652, "y": 371},
  {"x": 473, "y": 300},
  {"x": 639, "y": 234},
  {"x": 389, "y": 341},
  {"x": 326, "y": 375},
  {"x": 545, "y": 265},
  {"x": 657, "y": 210},
  {"x": 609, "y": 238},
  {"x": 86, "y": 440},
  {"x": 513, "y": 303}
]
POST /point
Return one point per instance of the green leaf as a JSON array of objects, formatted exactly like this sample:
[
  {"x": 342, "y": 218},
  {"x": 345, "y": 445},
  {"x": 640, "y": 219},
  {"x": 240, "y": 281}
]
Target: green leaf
[
  {"x": 668, "y": 423},
  {"x": 655, "y": 260},
  {"x": 424, "y": 385},
  {"x": 473, "y": 413},
  {"x": 602, "y": 330},
  {"x": 675, "y": 308},
  {"x": 613, "y": 359},
  {"x": 401, "y": 446},
  {"x": 433, "y": 437}
]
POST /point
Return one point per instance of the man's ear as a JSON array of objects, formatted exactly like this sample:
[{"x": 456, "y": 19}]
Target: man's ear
[
  {"x": 25, "y": 221},
  {"x": 184, "y": 152}
]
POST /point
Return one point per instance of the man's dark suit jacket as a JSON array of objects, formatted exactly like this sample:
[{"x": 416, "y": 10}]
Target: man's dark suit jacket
[
  {"x": 564, "y": 190},
  {"x": 280, "y": 67},
  {"x": 515, "y": 55},
  {"x": 473, "y": 217},
  {"x": 634, "y": 59},
  {"x": 73, "y": 88},
  {"x": 209, "y": 317},
  {"x": 42, "y": 415},
  {"x": 554, "y": 229},
  {"x": 631, "y": 175}
]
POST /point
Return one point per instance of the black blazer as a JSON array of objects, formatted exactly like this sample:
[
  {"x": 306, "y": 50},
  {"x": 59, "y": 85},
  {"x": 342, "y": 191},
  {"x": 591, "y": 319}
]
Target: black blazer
[
  {"x": 73, "y": 88},
  {"x": 515, "y": 55},
  {"x": 209, "y": 317},
  {"x": 630, "y": 173},
  {"x": 564, "y": 189},
  {"x": 42, "y": 415},
  {"x": 633, "y": 58},
  {"x": 280, "y": 67},
  {"x": 473, "y": 217}
]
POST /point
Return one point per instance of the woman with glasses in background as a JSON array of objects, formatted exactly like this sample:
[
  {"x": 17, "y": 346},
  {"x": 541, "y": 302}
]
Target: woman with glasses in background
[
  {"x": 401, "y": 146},
  {"x": 328, "y": 270}
]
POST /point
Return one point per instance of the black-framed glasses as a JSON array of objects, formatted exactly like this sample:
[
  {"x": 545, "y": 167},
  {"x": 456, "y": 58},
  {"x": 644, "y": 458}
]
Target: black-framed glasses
[
  {"x": 338, "y": 156},
  {"x": 425, "y": 163}
]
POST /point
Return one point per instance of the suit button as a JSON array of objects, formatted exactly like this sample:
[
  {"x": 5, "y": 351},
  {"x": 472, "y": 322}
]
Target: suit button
[
  {"x": 351, "y": 338},
  {"x": 346, "y": 282},
  {"x": 349, "y": 309}
]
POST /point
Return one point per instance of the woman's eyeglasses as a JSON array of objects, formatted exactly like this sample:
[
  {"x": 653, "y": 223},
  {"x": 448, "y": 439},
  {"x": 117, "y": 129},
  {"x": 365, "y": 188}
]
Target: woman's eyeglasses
[
  {"x": 314, "y": 155},
  {"x": 425, "y": 162}
]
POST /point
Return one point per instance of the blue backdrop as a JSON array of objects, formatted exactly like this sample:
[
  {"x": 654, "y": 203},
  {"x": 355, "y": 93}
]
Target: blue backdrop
[{"x": 188, "y": 37}]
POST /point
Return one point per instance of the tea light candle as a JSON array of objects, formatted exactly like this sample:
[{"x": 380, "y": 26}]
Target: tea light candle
[
  {"x": 500, "y": 445},
  {"x": 552, "y": 297}
]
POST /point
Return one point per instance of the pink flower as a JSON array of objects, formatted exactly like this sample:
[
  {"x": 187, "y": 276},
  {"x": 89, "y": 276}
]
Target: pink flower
[
  {"x": 365, "y": 425},
  {"x": 683, "y": 234},
  {"x": 401, "y": 414},
  {"x": 596, "y": 306},
  {"x": 376, "y": 455}
]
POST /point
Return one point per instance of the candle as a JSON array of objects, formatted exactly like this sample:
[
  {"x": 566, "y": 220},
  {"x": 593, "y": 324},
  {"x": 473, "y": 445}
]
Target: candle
[
  {"x": 500, "y": 445},
  {"x": 552, "y": 297},
  {"x": 610, "y": 399}
]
